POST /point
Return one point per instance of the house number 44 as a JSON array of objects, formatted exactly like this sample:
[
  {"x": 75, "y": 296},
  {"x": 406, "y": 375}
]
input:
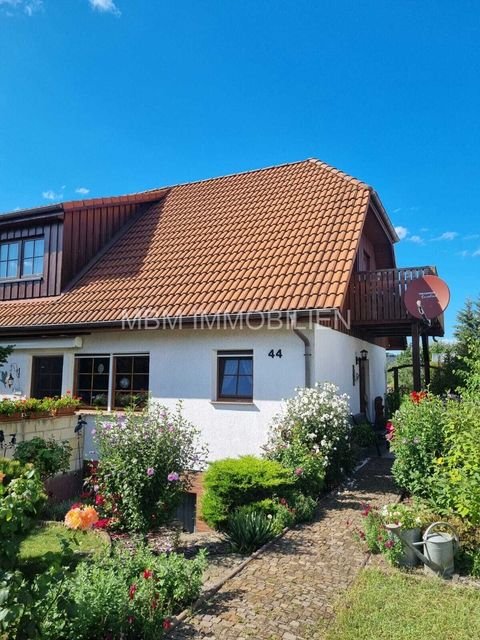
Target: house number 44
[{"x": 275, "y": 354}]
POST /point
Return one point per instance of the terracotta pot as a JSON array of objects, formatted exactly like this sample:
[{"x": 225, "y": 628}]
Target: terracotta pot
[
  {"x": 35, "y": 415},
  {"x": 64, "y": 411},
  {"x": 14, "y": 417}
]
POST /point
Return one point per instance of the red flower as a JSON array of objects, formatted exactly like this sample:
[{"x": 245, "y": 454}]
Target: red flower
[
  {"x": 283, "y": 501},
  {"x": 417, "y": 396},
  {"x": 76, "y": 505},
  {"x": 131, "y": 619},
  {"x": 85, "y": 495},
  {"x": 389, "y": 544},
  {"x": 132, "y": 591},
  {"x": 147, "y": 574},
  {"x": 366, "y": 508},
  {"x": 154, "y": 604},
  {"x": 99, "y": 500},
  {"x": 103, "y": 523},
  {"x": 167, "y": 624}
]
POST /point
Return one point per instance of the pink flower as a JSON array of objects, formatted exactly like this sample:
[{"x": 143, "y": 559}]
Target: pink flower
[
  {"x": 132, "y": 591},
  {"x": 147, "y": 574},
  {"x": 389, "y": 544},
  {"x": 150, "y": 471},
  {"x": 298, "y": 471},
  {"x": 173, "y": 476}
]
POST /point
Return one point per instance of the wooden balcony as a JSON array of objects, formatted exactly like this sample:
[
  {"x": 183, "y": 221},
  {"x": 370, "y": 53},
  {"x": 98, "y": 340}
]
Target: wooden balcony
[{"x": 376, "y": 301}]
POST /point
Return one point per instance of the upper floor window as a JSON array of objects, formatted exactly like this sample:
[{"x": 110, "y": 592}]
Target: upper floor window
[
  {"x": 22, "y": 258},
  {"x": 235, "y": 375}
]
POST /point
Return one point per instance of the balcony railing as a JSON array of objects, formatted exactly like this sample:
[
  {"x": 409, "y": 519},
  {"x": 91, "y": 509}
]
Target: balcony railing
[{"x": 376, "y": 297}]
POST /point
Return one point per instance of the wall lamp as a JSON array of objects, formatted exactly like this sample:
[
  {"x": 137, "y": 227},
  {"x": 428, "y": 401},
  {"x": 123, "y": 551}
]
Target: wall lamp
[{"x": 363, "y": 356}]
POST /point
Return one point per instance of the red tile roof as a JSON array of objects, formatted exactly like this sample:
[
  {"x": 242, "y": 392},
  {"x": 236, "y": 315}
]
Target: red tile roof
[{"x": 276, "y": 239}]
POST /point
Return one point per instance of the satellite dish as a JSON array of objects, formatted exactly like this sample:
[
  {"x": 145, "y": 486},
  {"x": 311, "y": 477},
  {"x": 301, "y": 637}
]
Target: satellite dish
[{"x": 427, "y": 297}]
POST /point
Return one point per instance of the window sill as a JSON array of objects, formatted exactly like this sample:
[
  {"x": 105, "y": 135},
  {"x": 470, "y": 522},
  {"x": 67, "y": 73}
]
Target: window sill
[
  {"x": 248, "y": 403},
  {"x": 24, "y": 279}
]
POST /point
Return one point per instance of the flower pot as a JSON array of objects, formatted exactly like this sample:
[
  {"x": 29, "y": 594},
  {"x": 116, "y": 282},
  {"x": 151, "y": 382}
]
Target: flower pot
[
  {"x": 36, "y": 415},
  {"x": 64, "y": 411},
  {"x": 14, "y": 417},
  {"x": 409, "y": 558}
]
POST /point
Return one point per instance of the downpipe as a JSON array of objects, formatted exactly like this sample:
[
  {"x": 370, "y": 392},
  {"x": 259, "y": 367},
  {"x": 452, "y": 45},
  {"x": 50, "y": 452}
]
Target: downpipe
[{"x": 307, "y": 354}]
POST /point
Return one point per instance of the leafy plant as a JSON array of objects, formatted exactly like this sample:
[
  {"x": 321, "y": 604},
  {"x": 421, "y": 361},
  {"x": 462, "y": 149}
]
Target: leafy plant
[
  {"x": 146, "y": 460},
  {"x": 233, "y": 482},
  {"x": 248, "y": 529},
  {"x": 21, "y": 496},
  {"x": 49, "y": 457},
  {"x": 363, "y": 435},
  {"x": 311, "y": 436}
]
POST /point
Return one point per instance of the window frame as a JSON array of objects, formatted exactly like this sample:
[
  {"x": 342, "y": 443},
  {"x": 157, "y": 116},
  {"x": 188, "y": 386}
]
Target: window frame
[
  {"x": 232, "y": 354},
  {"x": 112, "y": 369},
  {"x": 34, "y": 383},
  {"x": 113, "y": 373},
  {"x": 19, "y": 274}
]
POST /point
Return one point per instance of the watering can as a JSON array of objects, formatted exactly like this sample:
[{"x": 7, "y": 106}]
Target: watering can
[{"x": 439, "y": 548}]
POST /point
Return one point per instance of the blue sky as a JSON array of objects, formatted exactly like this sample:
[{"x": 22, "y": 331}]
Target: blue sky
[{"x": 113, "y": 96}]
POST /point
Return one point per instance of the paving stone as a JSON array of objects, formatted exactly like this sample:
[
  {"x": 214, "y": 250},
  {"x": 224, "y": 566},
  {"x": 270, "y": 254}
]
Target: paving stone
[{"x": 283, "y": 593}]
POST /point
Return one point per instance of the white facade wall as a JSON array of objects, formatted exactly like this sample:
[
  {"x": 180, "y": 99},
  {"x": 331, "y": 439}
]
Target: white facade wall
[
  {"x": 335, "y": 361},
  {"x": 183, "y": 366}
]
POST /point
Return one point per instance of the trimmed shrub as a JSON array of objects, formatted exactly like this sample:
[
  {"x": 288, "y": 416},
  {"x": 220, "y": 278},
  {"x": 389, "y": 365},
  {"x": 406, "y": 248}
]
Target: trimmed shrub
[{"x": 235, "y": 482}]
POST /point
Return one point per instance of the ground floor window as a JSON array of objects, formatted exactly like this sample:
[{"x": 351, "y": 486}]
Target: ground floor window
[
  {"x": 235, "y": 375},
  {"x": 115, "y": 381},
  {"x": 47, "y": 374}
]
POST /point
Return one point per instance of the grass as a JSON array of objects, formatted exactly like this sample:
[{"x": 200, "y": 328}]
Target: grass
[
  {"x": 401, "y": 607},
  {"x": 44, "y": 542}
]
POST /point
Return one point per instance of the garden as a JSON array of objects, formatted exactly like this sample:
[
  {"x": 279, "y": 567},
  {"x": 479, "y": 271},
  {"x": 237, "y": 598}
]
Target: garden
[{"x": 72, "y": 568}]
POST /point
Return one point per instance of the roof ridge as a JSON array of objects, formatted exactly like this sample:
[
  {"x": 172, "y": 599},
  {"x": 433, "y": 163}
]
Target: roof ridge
[{"x": 340, "y": 173}]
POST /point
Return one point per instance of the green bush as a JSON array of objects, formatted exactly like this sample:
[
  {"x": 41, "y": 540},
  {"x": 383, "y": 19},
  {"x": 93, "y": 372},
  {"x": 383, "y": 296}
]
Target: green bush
[
  {"x": 21, "y": 496},
  {"x": 277, "y": 510},
  {"x": 146, "y": 460},
  {"x": 49, "y": 457},
  {"x": 363, "y": 435},
  {"x": 235, "y": 482},
  {"x": 437, "y": 453},
  {"x": 249, "y": 529},
  {"x": 417, "y": 442},
  {"x": 303, "y": 506},
  {"x": 123, "y": 594}
]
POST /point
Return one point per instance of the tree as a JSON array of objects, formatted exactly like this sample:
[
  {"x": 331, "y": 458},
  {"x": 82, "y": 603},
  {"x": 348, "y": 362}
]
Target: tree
[
  {"x": 467, "y": 327},
  {"x": 4, "y": 353}
]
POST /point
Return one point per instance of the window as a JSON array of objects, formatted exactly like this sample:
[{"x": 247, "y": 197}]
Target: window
[
  {"x": 47, "y": 374},
  {"x": 235, "y": 375},
  {"x": 22, "y": 258},
  {"x": 92, "y": 380},
  {"x": 32, "y": 264},
  {"x": 131, "y": 380},
  {"x": 122, "y": 385},
  {"x": 9, "y": 256}
]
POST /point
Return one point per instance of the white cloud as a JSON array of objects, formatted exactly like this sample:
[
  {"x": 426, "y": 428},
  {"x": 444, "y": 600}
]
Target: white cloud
[
  {"x": 49, "y": 194},
  {"x": 401, "y": 232},
  {"x": 416, "y": 239},
  {"x": 105, "y": 6},
  {"x": 476, "y": 253},
  {"x": 82, "y": 191},
  {"x": 472, "y": 236},
  {"x": 27, "y": 6},
  {"x": 448, "y": 235}
]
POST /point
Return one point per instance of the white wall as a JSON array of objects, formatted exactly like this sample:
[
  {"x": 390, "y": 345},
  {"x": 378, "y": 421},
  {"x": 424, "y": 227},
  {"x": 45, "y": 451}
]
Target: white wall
[
  {"x": 335, "y": 354},
  {"x": 183, "y": 366}
]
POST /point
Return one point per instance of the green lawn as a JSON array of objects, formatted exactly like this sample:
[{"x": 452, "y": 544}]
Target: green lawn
[
  {"x": 46, "y": 539},
  {"x": 396, "y": 606}
]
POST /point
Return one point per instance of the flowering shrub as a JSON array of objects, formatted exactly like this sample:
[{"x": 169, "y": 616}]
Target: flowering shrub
[
  {"x": 312, "y": 436},
  {"x": 377, "y": 537},
  {"x": 124, "y": 594},
  {"x": 145, "y": 464},
  {"x": 235, "y": 482}
]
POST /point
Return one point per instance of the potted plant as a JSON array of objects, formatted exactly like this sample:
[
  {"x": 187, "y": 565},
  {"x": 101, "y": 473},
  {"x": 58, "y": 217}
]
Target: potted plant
[
  {"x": 34, "y": 409},
  {"x": 65, "y": 405},
  {"x": 10, "y": 410},
  {"x": 408, "y": 518}
]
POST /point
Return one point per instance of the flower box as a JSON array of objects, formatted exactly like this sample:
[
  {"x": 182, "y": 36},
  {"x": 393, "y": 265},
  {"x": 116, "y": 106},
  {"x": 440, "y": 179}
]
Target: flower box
[{"x": 14, "y": 417}]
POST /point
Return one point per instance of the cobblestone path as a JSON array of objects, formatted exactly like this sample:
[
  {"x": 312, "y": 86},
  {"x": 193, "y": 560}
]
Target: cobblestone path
[{"x": 283, "y": 593}]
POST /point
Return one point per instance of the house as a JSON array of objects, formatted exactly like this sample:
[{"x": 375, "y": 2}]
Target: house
[{"x": 227, "y": 293}]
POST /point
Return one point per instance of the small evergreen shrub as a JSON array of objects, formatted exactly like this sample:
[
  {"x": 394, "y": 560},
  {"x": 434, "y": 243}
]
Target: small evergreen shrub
[{"x": 235, "y": 482}]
